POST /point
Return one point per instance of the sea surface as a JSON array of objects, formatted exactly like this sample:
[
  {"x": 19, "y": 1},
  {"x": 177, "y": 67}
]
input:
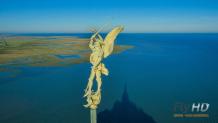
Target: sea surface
[{"x": 162, "y": 69}]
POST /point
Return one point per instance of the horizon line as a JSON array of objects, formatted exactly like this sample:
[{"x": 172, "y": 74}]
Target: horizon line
[{"x": 91, "y": 32}]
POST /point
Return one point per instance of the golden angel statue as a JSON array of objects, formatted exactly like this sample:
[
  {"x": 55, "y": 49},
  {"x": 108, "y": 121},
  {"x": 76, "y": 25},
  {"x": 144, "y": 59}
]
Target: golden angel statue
[{"x": 101, "y": 48}]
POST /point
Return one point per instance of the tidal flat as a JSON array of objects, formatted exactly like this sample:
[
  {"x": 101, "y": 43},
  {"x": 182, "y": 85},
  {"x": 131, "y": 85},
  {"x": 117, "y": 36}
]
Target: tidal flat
[{"x": 46, "y": 51}]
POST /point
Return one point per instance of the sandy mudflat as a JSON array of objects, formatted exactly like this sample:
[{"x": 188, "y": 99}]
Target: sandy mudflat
[{"x": 47, "y": 50}]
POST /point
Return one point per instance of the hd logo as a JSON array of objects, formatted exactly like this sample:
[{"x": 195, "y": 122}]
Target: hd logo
[
  {"x": 197, "y": 110},
  {"x": 200, "y": 107}
]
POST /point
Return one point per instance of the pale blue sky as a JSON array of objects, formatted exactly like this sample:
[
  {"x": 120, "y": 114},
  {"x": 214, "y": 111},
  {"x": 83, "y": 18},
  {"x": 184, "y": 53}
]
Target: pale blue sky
[{"x": 135, "y": 15}]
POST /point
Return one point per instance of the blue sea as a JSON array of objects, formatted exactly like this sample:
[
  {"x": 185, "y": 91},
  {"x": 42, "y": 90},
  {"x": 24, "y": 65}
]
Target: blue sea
[{"x": 162, "y": 69}]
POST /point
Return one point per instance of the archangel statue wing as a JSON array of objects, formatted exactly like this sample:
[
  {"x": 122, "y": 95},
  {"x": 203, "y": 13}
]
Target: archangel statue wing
[{"x": 109, "y": 40}]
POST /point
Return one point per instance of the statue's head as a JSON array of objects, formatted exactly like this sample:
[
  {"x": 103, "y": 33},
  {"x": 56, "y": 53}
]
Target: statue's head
[{"x": 98, "y": 42}]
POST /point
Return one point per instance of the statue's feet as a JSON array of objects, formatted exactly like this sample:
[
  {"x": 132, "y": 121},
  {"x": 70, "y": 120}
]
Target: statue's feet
[{"x": 87, "y": 105}]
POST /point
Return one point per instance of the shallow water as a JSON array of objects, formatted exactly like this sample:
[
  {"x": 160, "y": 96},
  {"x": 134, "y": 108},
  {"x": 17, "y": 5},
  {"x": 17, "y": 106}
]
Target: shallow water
[{"x": 161, "y": 70}]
